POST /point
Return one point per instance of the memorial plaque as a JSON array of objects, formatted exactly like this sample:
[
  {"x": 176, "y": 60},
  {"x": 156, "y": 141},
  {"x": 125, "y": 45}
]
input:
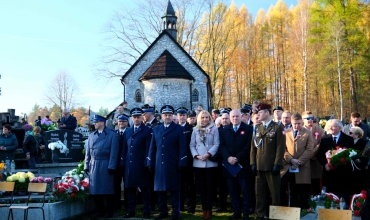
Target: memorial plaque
[{"x": 73, "y": 141}]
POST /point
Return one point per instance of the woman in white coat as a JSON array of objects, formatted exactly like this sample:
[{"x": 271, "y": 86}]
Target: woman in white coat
[{"x": 204, "y": 144}]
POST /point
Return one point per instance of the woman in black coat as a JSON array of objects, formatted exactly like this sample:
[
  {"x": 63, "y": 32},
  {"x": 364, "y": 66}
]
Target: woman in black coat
[
  {"x": 33, "y": 146},
  {"x": 358, "y": 179}
]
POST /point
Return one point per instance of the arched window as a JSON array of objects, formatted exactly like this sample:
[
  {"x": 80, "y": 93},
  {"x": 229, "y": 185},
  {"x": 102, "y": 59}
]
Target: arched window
[
  {"x": 195, "y": 95},
  {"x": 138, "y": 96}
]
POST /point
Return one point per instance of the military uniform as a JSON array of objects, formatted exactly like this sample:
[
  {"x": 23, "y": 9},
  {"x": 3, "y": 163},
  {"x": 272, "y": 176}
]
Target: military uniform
[{"x": 267, "y": 150}]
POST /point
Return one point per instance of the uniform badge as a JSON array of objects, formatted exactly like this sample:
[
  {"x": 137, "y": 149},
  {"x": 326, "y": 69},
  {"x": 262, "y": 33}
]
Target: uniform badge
[
  {"x": 316, "y": 135},
  {"x": 272, "y": 133},
  {"x": 242, "y": 132}
]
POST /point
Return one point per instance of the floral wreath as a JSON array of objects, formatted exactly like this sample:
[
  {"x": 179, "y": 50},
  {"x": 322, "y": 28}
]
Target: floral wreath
[{"x": 357, "y": 202}]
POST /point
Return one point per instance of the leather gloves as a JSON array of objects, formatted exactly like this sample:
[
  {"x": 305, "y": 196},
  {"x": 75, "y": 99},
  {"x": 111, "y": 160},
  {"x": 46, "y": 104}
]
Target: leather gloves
[
  {"x": 110, "y": 171},
  {"x": 276, "y": 170},
  {"x": 254, "y": 169}
]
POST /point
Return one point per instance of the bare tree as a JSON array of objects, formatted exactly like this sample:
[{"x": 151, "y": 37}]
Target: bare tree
[
  {"x": 63, "y": 91},
  {"x": 131, "y": 31}
]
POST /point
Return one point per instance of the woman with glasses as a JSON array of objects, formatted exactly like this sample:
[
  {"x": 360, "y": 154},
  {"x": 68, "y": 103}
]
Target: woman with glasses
[
  {"x": 204, "y": 144},
  {"x": 358, "y": 179}
]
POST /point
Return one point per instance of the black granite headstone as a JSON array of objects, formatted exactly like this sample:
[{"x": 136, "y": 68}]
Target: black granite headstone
[{"x": 73, "y": 141}]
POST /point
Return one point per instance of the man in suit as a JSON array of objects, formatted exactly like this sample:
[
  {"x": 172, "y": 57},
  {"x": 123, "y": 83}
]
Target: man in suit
[
  {"x": 297, "y": 170},
  {"x": 235, "y": 144},
  {"x": 101, "y": 162},
  {"x": 135, "y": 151},
  {"x": 187, "y": 177},
  {"x": 120, "y": 172},
  {"x": 356, "y": 122},
  {"x": 286, "y": 120},
  {"x": 317, "y": 133},
  {"x": 68, "y": 121},
  {"x": 168, "y": 158},
  {"x": 335, "y": 180},
  {"x": 225, "y": 119},
  {"x": 266, "y": 159}
]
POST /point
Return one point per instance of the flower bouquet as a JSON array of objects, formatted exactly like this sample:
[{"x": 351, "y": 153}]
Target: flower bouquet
[
  {"x": 340, "y": 156},
  {"x": 47, "y": 125},
  {"x": 27, "y": 127},
  {"x": 41, "y": 179},
  {"x": 357, "y": 202},
  {"x": 330, "y": 199},
  {"x": 58, "y": 145},
  {"x": 322, "y": 123},
  {"x": 73, "y": 186},
  {"x": 21, "y": 180}
]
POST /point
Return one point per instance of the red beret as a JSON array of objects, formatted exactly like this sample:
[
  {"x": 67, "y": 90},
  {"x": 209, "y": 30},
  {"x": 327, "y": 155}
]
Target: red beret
[{"x": 263, "y": 106}]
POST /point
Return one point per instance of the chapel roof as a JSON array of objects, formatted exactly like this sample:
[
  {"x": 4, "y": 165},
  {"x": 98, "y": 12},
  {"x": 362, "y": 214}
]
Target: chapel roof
[
  {"x": 169, "y": 9},
  {"x": 166, "y": 66}
]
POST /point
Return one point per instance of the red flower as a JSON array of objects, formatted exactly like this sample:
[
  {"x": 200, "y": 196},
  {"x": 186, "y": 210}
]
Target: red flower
[
  {"x": 55, "y": 186},
  {"x": 342, "y": 160},
  {"x": 68, "y": 177},
  {"x": 337, "y": 201},
  {"x": 358, "y": 204},
  {"x": 337, "y": 147},
  {"x": 60, "y": 190},
  {"x": 73, "y": 195},
  {"x": 330, "y": 197},
  {"x": 357, "y": 213}
]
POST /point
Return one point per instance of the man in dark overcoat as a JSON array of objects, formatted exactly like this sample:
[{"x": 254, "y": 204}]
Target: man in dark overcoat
[
  {"x": 100, "y": 162},
  {"x": 168, "y": 157},
  {"x": 135, "y": 151},
  {"x": 235, "y": 144},
  {"x": 336, "y": 180},
  {"x": 68, "y": 121},
  {"x": 187, "y": 182},
  {"x": 266, "y": 159},
  {"x": 122, "y": 123}
]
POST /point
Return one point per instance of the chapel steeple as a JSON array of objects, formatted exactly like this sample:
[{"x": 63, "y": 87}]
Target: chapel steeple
[{"x": 169, "y": 20}]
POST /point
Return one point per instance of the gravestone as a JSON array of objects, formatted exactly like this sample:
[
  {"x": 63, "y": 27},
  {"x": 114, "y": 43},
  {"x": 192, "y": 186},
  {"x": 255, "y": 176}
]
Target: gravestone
[{"x": 73, "y": 141}]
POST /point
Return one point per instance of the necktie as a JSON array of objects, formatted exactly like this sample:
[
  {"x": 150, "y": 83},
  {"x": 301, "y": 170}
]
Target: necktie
[
  {"x": 235, "y": 128},
  {"x": 165, "y": 127},
  {"x": 286, "y": 127},
  {"x": 335, "y": 140},
  {"x": 135, "y": 129},
  {"x": 295, "y": 133},
  {"x": 121, "y": 132}
]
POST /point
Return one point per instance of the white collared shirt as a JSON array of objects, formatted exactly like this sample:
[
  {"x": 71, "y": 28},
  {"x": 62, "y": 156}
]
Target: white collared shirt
[{"x": 267, "y": 124}]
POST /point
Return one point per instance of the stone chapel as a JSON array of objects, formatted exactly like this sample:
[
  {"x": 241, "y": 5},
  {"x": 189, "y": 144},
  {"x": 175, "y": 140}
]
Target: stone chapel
[{"x": 167, "y": 74}]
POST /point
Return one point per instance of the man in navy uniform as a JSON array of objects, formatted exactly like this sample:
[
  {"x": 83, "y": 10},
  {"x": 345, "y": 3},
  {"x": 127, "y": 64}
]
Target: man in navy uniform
[
  {"x": 235, "y": 144},
  {"x": 168, "y": 157},
  {"x": 187, "y": 178},
  {"x": 149, "y": 118},
  {"x": 101, "y": 161},
  {"x": 122, "y": 123},
  {"x": 135, "y": 151},
  {"x": 246, "y": 111}
]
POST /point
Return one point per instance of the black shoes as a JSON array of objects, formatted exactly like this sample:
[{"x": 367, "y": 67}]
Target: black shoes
[
  {"x": 129, "y": 215},
  {"x": 146, "y": 215},
  {"x": 191, "y": 210},
  {"x": 235, "y": 217},
  {"x": 98, "y": 214},
  {"x": 161, "y": 216}
]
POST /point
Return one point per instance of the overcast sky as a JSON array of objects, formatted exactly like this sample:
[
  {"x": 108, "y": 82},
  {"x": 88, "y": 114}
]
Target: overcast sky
[{"x": 40, "y": 38}]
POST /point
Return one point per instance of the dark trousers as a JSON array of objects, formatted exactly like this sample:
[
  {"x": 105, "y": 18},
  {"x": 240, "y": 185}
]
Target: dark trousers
[
  {"x": 104, "y": 203},
  {"x": 298, "y": 192},
  {"x": 315, "y": 186},
  {"x": 236, "y": 186},
  {"x": 162, "y": 202},
  {"x": 119, "y": 175},
  {"x": 265, "y": 181},
  {"x": 204, "y": 179},
  {"x": 188, "y": 190},
  {"x": 33, "y": 161},
  {"x": 222, "y": 187},
  {"x": 131, "y": 199}
]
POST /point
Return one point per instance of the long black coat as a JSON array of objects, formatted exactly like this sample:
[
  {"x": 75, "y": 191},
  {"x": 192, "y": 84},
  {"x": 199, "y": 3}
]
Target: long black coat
[
  {"x": 237, "y": 144},
  {"x": 134, "y": 153},
  {"x": 336, "y": 180},
  {"x": 188, "y": 131},
  {"x": 70, "y": 122},
  {"x": 167, "y": 152}
]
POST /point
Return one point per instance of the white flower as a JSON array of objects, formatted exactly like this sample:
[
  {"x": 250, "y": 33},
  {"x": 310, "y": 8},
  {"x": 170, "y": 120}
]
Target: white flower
[
  {"x": 82, "y": 172},
  {"x": 79, "y": 165},
  {"x": 82, "y": 188},
  {"x": 81, "y": 176},
  {"x": 352, "y": 153}
]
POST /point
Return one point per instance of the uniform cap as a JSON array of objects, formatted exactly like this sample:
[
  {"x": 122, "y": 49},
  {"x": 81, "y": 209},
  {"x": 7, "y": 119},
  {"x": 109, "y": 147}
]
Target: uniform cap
[
  {"x": 136, "y": 112},
  {"x": 99, "y": 118},
  {"x": 182, "y": 110},
  {"x": 167, "y": 109}
]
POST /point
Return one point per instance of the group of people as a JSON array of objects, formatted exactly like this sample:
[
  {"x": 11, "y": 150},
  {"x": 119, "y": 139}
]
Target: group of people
[{"x": 267, "y": 155}]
